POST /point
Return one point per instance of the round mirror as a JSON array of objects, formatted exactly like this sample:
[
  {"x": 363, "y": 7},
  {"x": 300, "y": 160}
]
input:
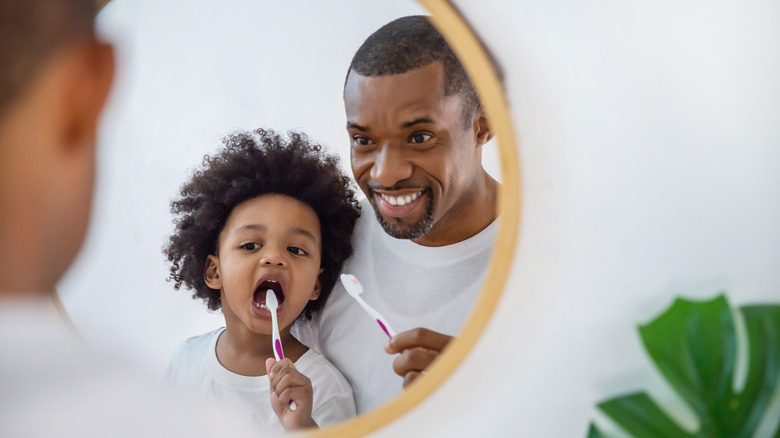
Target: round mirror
[{"x": 187, "y": 76}]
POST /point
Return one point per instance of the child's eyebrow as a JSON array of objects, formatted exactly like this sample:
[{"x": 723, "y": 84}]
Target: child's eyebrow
[
  {"x": 251, "y": 227},
  {"x": 306, "y": 233},
  {"x": 297, "y": 230}
]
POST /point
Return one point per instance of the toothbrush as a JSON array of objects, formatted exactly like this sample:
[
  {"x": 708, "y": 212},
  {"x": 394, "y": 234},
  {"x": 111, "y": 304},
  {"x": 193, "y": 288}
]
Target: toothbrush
[
  {"x": 272, "y": 304},
  {"x": 354, "y": 288}
]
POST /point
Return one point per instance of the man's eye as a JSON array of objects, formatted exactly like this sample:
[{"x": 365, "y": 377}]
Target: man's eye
[
  {"x": 361, "y": 140},
  {"x": 250, "y": 246},
  {"x": 420, "y": 138},
  {"x": 297, "y": 251}
]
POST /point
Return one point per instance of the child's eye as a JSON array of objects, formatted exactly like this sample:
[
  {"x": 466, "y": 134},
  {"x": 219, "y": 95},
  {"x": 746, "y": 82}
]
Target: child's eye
[
  {"x": 250, "y": 246},
  {"x": 297, "y": 251}
]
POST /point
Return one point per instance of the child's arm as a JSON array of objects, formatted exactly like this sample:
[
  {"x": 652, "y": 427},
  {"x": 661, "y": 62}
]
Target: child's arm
[{"x": 287, "y": 384}]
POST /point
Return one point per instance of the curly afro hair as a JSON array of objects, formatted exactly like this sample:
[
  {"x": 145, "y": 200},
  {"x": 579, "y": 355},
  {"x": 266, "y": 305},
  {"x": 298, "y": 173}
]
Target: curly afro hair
[{"x": 254, "y": 164}]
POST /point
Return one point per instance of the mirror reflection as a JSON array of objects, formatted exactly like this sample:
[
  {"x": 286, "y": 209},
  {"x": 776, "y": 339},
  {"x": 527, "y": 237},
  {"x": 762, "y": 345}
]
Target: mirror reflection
[{"x": 417, "y": 148}]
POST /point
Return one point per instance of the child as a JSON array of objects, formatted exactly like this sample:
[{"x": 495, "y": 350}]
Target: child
[{"x": 264, "y": 213}]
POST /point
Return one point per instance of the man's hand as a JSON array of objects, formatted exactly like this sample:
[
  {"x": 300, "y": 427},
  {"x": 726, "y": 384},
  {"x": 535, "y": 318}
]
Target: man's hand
[
  {"x": 287, "y": 384},
  {"x": 418, "y": 348}
]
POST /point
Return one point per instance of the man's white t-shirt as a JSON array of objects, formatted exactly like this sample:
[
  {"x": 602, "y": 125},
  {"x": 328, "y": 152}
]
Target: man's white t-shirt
[
  {"x": 411, "y": 286},
  {"x": 195, "y": 367}
]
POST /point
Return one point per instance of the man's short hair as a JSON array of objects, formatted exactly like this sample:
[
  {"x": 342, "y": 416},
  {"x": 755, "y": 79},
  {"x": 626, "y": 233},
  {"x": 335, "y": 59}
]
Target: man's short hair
[
  {"x": 31, "y": 31},
  {"x": 409, "y": 43}
]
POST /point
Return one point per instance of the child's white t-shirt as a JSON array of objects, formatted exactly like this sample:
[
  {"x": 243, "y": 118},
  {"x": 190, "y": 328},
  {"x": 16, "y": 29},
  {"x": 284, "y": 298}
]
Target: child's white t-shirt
[{"x": 195, "y": 367}]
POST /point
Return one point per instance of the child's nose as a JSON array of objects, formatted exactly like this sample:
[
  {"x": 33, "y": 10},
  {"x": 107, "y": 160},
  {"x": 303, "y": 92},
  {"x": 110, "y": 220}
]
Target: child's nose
[{"x": 272, "y": 258}]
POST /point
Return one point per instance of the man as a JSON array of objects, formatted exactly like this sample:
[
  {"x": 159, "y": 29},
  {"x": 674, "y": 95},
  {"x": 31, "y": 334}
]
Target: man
[
  {"x": 54, "y": 80},
  {"x": 417, "y": 129}
]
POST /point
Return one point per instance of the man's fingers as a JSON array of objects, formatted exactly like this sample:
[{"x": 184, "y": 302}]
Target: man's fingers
[
  {"x": 418, "y": 337},
  {"x": 414, "y": 359},
  {"x": 410, "y": 376}
]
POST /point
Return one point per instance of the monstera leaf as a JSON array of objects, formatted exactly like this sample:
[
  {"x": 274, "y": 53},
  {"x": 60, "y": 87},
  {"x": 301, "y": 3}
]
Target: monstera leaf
[{"x": 694, "y": 345}]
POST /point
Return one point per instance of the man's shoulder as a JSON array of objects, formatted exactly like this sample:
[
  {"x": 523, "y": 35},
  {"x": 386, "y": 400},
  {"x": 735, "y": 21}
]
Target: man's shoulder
[{"x": 316, "y": 366}]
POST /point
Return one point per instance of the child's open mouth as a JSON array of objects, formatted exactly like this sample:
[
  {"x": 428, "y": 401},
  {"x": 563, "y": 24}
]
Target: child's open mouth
[{"x": 260, "y": 292}]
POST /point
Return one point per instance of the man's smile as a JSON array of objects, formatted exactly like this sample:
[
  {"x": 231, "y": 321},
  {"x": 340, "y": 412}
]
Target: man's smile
[{"x": 399, "y": 204}]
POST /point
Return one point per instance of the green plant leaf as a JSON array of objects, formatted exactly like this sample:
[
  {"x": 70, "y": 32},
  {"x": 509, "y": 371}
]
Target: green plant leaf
[
  {"x": 763, "y": 328},
  {"x": 594, "y": 432},
  {"x": 640, "y": 416},
  {"x": 694, "y": 345}
]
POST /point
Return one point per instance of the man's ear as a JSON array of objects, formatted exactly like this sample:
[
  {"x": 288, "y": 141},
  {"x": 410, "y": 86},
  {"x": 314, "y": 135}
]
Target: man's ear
[
  {"x": 481, "y": 127},
  {"x": 85, "y": 90},
  {"x": 317, "y": 287},
  {"x": 211, "y": 274}
]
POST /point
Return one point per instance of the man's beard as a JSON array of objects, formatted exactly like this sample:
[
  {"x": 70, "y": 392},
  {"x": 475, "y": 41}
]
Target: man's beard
[{"x": 413, "y": 231}]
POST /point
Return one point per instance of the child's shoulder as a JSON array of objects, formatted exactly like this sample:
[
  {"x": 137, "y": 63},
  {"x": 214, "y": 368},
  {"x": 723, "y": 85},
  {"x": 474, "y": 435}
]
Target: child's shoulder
[{"x": 195, "y": 345}]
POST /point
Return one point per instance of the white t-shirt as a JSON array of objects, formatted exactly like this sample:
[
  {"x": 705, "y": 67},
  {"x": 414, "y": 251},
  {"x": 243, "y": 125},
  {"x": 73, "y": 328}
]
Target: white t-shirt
[
  {"x": 411, "y": 286},
  {"x": 53, "y": 384},
  {"x": 195, "y": 367}
]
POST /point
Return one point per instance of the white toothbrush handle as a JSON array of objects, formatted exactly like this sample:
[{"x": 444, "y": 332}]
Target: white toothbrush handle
[
  {"x": 278, "y": 352},
  {"x": 383, "y": 324}
]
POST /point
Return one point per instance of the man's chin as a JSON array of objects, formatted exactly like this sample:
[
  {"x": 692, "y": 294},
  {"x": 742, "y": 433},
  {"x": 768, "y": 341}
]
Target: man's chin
[{"x": 399, "y": 230}]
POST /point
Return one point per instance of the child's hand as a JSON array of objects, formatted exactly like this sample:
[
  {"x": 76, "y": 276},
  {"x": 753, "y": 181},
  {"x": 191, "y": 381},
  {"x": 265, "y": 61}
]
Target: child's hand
[{"x": 287, "y": 384}]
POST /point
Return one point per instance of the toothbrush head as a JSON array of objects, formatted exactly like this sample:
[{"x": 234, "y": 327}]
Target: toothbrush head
[
  {"x": 351, "y": 284},
  {"x": 271, "y": 301}
]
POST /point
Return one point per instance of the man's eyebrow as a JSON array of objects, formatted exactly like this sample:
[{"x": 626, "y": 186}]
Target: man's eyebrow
[
  {"x": 416, "y": 121},
  {"x": 351, "y": 125}
]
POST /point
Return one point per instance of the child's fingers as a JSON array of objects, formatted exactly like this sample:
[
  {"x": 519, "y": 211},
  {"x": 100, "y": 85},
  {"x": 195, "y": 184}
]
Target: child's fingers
[
  {"x": 302, "y": 396},
  {"x": 275, "y": 404},
  {"x": 289, "y": 378},
  {"x": 282, "y": 369},
  {"x": 269, "y": 364},
  {"x": 276, "y": 367}
]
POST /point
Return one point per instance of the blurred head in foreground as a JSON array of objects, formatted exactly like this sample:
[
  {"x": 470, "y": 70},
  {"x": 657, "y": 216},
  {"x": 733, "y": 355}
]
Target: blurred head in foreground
[{"x": 54, "y": 80}]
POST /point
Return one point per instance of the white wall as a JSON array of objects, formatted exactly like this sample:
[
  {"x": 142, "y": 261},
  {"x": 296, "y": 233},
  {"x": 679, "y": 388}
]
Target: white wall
[{"x": 650, "y": 149}]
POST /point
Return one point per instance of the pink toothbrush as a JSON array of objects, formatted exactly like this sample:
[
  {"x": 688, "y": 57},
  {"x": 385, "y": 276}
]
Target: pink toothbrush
[
  {"x": 273, "y": 304},
  {"x": 354, "y": 288}
]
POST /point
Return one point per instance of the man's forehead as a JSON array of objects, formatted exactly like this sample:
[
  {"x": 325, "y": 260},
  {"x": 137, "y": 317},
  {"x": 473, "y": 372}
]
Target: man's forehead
[
  {"x": 417, "y": 93},
  {"x": 428, "y": 79}
]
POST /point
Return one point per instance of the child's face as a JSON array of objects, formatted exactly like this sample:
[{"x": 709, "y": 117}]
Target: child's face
[{"x": 268, "y": 242}]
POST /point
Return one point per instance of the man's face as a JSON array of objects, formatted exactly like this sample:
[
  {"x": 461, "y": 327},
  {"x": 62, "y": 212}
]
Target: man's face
[{"x": 411, "y": 151}]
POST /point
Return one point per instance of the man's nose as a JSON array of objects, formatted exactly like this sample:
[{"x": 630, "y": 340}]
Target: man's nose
[{"x": 390, "y": 166}]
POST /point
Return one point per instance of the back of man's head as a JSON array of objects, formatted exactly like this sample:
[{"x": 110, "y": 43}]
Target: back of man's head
[
  {"x": 54, "y": 79},
  {"x": 409, "y": 43},
  {"x": 31, "y": 32}
]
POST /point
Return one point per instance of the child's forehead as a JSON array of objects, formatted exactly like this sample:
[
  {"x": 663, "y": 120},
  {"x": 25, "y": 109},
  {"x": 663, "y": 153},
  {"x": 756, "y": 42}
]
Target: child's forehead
[{"x": 273, "y": 212}]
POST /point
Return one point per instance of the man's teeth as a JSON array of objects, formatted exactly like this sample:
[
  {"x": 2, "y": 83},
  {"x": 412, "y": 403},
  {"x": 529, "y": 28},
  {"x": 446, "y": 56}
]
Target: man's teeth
[{"x": 400, "y": 200}]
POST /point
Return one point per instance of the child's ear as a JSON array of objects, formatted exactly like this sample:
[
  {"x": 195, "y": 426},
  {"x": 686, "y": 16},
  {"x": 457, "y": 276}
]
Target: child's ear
[
  {"x": 211, "y": 275},
  {"x": 317, "y": 287}
]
